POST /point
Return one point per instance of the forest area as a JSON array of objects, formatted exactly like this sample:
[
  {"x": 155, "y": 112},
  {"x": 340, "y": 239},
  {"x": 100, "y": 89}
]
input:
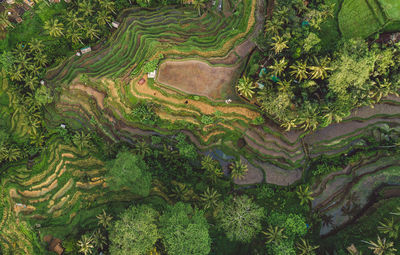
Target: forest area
[{"x": 300, "y": 155}]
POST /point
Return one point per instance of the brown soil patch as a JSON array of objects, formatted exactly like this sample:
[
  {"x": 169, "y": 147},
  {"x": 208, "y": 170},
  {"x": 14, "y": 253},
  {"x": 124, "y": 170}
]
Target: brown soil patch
[
  {"x": 196, "y": 77},
  {"x": 49, "y": 180},
  {"x": 88, "y": 185},
  {"x": 38, "y": 193},
  {"x": 92, "y": 92},
  {"x": 23, "y": 208},
  {"x": 277, "y": 175},
  {"x": 63, "y": 190}
]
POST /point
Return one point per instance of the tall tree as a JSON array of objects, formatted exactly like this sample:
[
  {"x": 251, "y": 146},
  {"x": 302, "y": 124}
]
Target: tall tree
[
  {"x": 246, "y": 87},
  {"x": 36, "y": 45},
  {"x": 381, "y": 247},
  {"x": 4, "y": 21},
  {"x": 103, "y": 18},
  {"x": 210, "y": 198},
  {"x": 278, "y": 44},
  {"x": 241, "y": 219},
  {"x": 184, "y": 230},
  {"x": 278, "y": 67},
  {"x": 73, "y": 19},
  {"x": 91, "y": 31},
  {"x": 54, "y": 28},
  {"x": 305, "y": 195},
  {"x": 136, "y": 232},
  {"x": 129, "y": 170},
  {"x": 238, "y": 170},
  {"x": 104, "y": 219},
  {"x": 199, "y": 5},
  {"x": 274, "y": 234},
  {"x": 74, "y": 35},
  {"x": 86, "y": 8},
  {"x": 86, "y": 245},
  {"x": 305, "y": 248},
  {"x": 299, "y": 70}
]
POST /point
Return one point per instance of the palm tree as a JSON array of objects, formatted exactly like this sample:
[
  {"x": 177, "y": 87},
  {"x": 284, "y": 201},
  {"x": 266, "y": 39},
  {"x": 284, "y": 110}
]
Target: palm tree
[
  {"x": 40, "y": 60},
  {"x": 288, "y": 124},
  {"x": 198, "y": 5},
  {"x": 75, "y": 35},
  {"x": 389, "y": 227},
  {"x": 304, "y": 195},
  {"x": 278, "y": 67},
  {"x": 396, "y": 213},
  {"x": 19, "y": 49},
  {"x": 142, "y": 148},
  {"x": 273, "y": 26},
  {"x": 73, "y": 20},
  {"x": 85, "y": 245},
  {"x": 4, "y": 21},
  {"x": 23, "y": 60},
  {"x": 35, "y": 69},
  {"x": 107, "y": 5},
  {"x": 245, "y": 87},
  {"x": 36, "y": 45},
  {"x": 327, "y": 220},
  {"x": 91, "y": 31},
  {"x": 16, "y": 73},
  {"x": 305, "y": 248},
  {"x": 54, "y": 28},
  {"x": 210, "y": 198},
  {"x": 278, "y": 44},
  {"x": 381, "y": 247},
  {"x": 81, "y": 140},
  {"x": 212, "y": 168},
  {"x": 99, "y": 240},
  {"x": 274, "y": 234},
  {"x": 239, "y": 170},
  {"x": 86, "y": 8},
  {"x": 31, "y": 82},
  {"x": 181, "y": 192},
  {"x": 104, "y": 219},
  {"x": 10, "y": 153},
  {"x": 320, "y": 69},
  {"x": 299, "y": 70},
  {"x": 103, "y": 18}
]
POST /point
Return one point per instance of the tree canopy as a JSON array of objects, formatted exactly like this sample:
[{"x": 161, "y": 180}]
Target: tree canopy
[
  {"x": 131, "y": 171},
  {"x": 136, "y": 232},
  {"x": 184, "y": 230}
]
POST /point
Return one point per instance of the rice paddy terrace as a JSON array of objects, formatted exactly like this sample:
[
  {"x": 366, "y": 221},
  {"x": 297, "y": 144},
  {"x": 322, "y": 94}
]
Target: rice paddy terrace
[{"x": 101, "y": 89}]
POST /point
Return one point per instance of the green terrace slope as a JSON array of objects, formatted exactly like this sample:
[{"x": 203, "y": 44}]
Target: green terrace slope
[
  {"x": 62, "y": 193},
  {"x": 363, "y": 18},
  {"x": 144, "y": 33}
]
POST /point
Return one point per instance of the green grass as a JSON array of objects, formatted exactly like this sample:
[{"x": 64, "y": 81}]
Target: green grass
[{"x": 363, "y": 18}]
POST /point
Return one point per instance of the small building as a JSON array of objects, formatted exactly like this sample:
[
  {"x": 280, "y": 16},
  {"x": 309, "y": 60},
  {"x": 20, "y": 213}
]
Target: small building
[
  {"x": 10, "y": 1},
  {"x": 152, "y": 75},
  {"x": 115, "y": 24},
  {"x": 18, "y": 19},
  {"x": 141, "y": 81},
  {"x": 86, "y": 50},
  {"x": 62, "y": 126},
  {"x": 78, "y": 54}
]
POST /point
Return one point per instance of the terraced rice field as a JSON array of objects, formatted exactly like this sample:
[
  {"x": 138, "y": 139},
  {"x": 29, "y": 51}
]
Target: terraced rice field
[{"x": 61, "y": 183}]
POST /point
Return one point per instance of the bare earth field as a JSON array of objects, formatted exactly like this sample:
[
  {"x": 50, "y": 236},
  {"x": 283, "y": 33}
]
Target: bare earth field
[{"x": 197, "y": 77}]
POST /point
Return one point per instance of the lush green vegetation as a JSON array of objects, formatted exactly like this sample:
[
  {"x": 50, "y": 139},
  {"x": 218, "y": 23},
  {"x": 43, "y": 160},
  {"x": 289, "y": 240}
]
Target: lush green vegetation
[{"x": 112, "y": 166}]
